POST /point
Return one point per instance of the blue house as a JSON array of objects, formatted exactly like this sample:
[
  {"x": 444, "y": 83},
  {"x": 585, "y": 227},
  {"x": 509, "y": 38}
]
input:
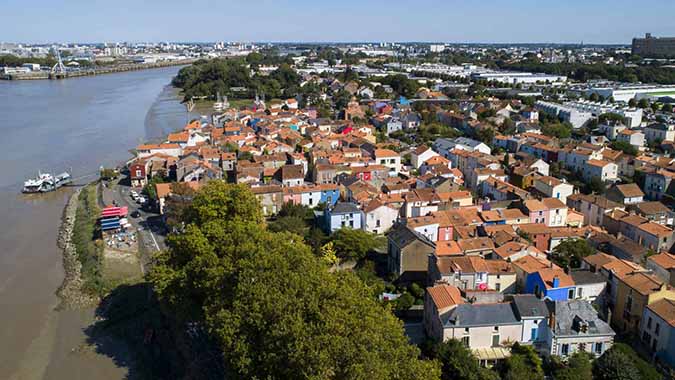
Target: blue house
[
  {"x": 551, "y": 283},
  {"x": 330, "y": 195},
  {"x": 658, "y": 330},
  {"x": 343, "y": 215}
]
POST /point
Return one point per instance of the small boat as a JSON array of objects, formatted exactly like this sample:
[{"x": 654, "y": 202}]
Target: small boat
[{"x": 46, "y": 182}]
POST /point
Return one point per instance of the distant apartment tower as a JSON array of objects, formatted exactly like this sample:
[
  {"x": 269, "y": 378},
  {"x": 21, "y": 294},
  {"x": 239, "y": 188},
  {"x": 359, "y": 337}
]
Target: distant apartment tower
[{"x": 654, "y": 46}]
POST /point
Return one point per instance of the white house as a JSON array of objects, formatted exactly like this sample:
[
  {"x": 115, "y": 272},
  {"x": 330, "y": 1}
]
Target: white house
[
  {"x": 612, "y": 130},
  {"x": 379, "y": 217},
  {"x": 607, "y": 171},
  {"x": 420, "y": 155},
  {"x": 388, "y": 158},
  {"x": 660, "y": 132},
  {"x": 554, "y": 188},
  {"x": 343, "y": 215},
  {"x": 443, "y": 146},
  {"x": 577, "y": 327},
  {"x": 634, "y": 138}
]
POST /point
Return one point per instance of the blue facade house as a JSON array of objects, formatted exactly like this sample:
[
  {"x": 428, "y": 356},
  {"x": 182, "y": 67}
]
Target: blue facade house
[
  {"x": 330, "y": 195},
  {"x": 343, "y": 215},
  {"x": 551, "y": 283}
]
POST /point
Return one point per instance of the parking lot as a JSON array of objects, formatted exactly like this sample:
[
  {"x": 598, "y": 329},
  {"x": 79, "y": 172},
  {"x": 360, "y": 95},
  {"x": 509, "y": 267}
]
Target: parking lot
[{"x": 150, "y": 228}]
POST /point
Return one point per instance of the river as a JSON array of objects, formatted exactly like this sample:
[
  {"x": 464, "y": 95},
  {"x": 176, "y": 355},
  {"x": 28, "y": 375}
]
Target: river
[{"x": 77, "y": 124}]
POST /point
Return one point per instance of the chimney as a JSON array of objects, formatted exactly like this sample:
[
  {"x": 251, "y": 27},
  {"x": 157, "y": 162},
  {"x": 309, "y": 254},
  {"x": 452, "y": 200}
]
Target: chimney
[
  {"x": 556, "y": 282},
  {"x": 551, "y": 320}
]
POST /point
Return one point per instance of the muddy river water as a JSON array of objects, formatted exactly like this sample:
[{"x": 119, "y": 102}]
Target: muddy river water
[{"x": 79, "y": 125}]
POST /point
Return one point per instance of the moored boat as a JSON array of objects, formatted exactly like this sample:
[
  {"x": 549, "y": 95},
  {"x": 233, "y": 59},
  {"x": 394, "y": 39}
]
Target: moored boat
[{"x": 46, "y": 182}]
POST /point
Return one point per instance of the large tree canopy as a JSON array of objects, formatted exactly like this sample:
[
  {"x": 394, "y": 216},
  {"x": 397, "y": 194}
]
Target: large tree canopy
[{"x": 274, "y": 308}]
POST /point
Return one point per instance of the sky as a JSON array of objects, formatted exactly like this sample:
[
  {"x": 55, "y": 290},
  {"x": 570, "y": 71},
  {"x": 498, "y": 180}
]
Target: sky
[{"x": 473, "y": 21}]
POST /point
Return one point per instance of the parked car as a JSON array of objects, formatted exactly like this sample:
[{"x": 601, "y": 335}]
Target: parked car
[
  {"x": 135, "y": 214},
  {"x": 141, "y": 200}
]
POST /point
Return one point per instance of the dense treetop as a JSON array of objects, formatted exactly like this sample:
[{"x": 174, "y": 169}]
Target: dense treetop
[{"x": 271, "y": 304}]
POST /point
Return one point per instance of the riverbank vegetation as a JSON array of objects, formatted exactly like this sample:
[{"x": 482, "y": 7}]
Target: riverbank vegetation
[
  {"x": 87, "y": 240},
  {"x": 232, "y": 78}
]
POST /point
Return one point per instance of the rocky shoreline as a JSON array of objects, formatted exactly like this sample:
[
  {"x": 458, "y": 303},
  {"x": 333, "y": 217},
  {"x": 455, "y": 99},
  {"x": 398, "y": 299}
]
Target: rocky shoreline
[{"x": 70, "y": 292}]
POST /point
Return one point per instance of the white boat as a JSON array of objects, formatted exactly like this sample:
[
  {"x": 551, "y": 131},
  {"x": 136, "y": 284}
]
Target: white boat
[{"x": 46, "y": 182}]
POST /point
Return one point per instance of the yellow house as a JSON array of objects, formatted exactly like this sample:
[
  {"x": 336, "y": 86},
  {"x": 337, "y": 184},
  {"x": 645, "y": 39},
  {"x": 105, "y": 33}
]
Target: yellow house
[{"x": 634, "y": 292}]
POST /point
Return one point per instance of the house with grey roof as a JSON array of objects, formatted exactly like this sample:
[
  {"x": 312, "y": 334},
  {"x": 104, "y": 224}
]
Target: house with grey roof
[
  {"x": 481, "y": 326},
  {"x": 533, "y": 313},
  {"x": 443, "y": 146},
  {"x": 408, "y": 253},
  {"x": 343, "y": 215},
  {"x": 573, "y": 326}
]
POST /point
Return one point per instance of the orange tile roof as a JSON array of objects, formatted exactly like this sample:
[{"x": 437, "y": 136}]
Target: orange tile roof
[
  {"x": 385, "y": 153},
  {"x": 445, "y": 296},
  {"x": 548, "y": 274},
  {"x": 643, "y": 283},
  {"x": 531, "y": 264},
  {"x": 664, "y": 260},
  {"x": 448, "y": 248},
  {"x": 179, "y": 137},
  {"x": 510, "y": 249},
  {"x": 665, "y": 309}
]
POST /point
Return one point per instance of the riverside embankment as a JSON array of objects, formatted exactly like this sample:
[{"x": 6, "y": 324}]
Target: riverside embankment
[
  {"x": 40, "y": 75},
  {"x": 71, "y": 292},
  {"x": 52, "y": 126}
]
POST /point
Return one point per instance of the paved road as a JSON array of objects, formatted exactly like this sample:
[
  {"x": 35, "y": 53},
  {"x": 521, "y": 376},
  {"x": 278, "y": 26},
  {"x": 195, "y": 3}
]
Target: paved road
[{"x": 151, "y": 230}]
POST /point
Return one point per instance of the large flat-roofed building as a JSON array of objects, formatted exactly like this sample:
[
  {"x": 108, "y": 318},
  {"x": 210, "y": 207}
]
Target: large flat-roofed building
[
  {"x": 623, "y": 92},
  {"x": 657, "y": 47},
  {"x": 518, "y": 77},
  {"x": 632, "y": 116}
]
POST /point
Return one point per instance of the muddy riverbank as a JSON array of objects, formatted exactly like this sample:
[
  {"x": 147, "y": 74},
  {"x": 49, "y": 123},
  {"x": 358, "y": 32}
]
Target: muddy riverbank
[{"x": 71, "y": 292}]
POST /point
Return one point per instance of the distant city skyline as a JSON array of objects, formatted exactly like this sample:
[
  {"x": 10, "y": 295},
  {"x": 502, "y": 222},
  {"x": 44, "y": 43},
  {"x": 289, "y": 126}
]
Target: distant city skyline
[{"x": 490, "y": 21}]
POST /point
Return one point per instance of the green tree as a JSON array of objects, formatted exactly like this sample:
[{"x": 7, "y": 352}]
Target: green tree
[
  {"x": 459, "y": 363},
  {"x": 150, "y": 188},
  {"x": 625, "y": 147},
  {"x": 646, "y": 369},
  {"x": 596, "y": 185},
  {"x": 643, "y": 103},
  {"x": 505, "y": 161},
  {"x": 291, "y": 224},
  {"x": 559, "y": 130},
  {"x": 486, "y": 135},
  {"x": 615, "y": 365},
  {"x": 270, "y": 304},
  {"x": 610, "y": 116},
  {"x": 354, "y": 244},
  {"x": 523, "y": 364},
  {"x": 632, "y": 103},
  {"x": 571, "y": 252},
  {"x": 578, "y": 367},
  {"x": 328, "y": 254},
  {"x": 404, "y": 302}
]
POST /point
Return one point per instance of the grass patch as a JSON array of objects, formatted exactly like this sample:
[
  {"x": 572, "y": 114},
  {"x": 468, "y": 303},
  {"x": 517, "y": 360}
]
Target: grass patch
[{"x": 87, "y": 240}]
